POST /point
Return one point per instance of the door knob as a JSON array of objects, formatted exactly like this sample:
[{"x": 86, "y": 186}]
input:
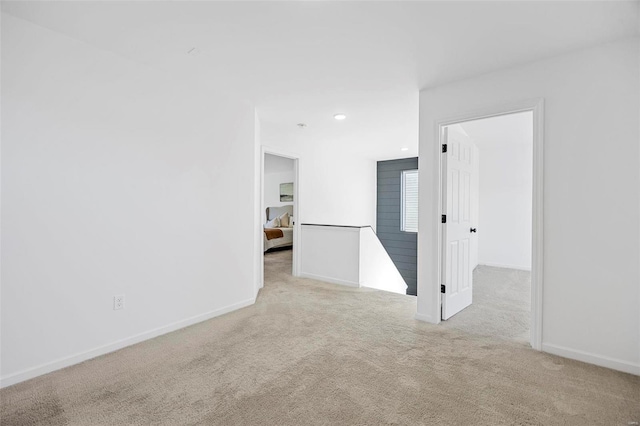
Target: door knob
[{"x": 472, "y": 230}]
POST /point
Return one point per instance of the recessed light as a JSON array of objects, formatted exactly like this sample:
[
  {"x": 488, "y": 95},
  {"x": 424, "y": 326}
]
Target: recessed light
[
  {"x": 301, "y": 125},
  {"x": 404, "y": 149},
  {"x": 340, "y": 116}
]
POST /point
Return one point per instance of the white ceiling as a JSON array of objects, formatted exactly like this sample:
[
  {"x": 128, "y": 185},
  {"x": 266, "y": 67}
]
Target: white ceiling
[
  {"x": 303, "y": 61},
  {"x": 277, "y": 164}
]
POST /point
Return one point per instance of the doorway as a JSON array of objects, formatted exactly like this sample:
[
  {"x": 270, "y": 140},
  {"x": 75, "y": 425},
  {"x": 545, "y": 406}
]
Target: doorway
[
  {"x": 279, "y": 209},
  {"x": 461, "y": 231},
  {"x": 487, "y": 172}
]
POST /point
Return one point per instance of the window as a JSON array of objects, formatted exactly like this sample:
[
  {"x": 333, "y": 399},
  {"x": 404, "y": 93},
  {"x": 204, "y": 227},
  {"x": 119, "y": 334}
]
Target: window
[{"x": 409, "y": 222}]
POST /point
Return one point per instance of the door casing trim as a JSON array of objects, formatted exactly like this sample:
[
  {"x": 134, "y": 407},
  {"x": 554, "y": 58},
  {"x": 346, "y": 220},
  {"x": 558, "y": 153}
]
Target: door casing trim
[{"x": 536, "y": 106}]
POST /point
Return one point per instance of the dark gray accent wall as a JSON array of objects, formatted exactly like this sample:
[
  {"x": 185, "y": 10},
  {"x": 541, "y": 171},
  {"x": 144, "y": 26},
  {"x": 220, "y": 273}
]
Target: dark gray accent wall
[{"x": 401, "y": 246}]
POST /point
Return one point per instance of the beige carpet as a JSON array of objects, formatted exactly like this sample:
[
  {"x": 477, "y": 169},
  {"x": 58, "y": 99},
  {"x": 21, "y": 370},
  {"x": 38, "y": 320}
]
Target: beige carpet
[
  {"x": 314, "y": 353},
  {"x": 501, "y": 305}
]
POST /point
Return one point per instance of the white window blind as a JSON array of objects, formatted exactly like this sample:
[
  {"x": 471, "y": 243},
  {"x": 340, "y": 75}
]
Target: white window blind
[{"x": 409, "y": 201}]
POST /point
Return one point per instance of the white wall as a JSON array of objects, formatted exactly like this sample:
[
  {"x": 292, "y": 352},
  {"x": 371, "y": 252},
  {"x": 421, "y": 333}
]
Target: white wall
[
  {"x": 335, "y": 188},
  {"x": 506, "y": 181},
  {"x": 114, "y": 181},
  {"x": 331, "y": 254},
  {"x": 591, "y": 194},
  {"x": 505, "y": 189},
  {"x": 338, "y": 190},
  {"x": 272, "y": 183},
  {"x": 348, "y": 256}
]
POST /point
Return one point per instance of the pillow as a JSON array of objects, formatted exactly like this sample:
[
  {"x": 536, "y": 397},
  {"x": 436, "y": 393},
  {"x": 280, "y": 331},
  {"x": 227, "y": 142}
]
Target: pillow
[
  {"x": 284, "y": 220},
  {"x": 274, "y": 223}
]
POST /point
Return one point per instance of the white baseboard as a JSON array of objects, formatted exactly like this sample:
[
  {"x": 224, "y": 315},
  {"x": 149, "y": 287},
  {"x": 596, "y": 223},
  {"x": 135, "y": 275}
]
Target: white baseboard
[
  {"x": 500, "y": 265},
  {"x": 425, "y": 318},
  {"x": 58, "y": 364},
  {"x": 602, "y": 361},
  {"x": 330, "y": 280}
]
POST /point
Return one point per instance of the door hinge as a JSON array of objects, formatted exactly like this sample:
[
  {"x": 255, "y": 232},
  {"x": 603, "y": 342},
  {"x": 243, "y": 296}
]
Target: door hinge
[
  {"x": 444, "y": 148},
  {"x": 442, "y": 288},
  {"x": 444, "y": 218}
]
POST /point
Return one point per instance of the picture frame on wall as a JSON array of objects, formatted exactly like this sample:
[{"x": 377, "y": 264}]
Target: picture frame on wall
[{"x": 286, "y": 192}]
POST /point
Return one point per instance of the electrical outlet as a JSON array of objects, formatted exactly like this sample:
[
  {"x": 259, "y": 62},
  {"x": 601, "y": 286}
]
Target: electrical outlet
[{"x": 118, "y": 302}]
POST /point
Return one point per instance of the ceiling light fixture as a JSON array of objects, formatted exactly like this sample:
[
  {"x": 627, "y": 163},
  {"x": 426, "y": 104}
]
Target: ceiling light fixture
[
  {"x": 340, "y": 116},
  {"x": 404, "y": 149}
]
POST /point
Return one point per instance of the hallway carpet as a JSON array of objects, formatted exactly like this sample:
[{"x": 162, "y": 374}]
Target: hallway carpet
[{"x": 309, "y": 353}]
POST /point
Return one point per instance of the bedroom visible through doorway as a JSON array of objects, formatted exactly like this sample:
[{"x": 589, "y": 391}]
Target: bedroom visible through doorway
[{"x": 279, "y": 207}]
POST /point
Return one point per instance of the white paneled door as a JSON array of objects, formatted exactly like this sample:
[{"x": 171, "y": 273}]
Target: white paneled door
[{"x": 459, "y": 170}]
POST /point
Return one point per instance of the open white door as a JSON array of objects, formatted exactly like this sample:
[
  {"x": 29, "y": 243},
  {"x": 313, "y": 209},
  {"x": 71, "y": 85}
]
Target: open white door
[{"x": 458, "y": 165}]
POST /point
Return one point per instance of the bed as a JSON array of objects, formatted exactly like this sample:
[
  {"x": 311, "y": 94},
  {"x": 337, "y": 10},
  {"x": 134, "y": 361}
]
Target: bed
[{"x": 271, "y": 235}]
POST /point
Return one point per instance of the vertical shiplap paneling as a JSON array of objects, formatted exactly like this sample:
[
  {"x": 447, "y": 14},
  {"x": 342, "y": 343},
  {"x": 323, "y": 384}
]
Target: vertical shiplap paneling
[{"x": 401, "y": 246}]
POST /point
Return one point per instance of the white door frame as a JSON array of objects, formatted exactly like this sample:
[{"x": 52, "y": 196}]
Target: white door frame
[
  {"x": 295, "y": 270},
  {"x": 537, "y": 107}
]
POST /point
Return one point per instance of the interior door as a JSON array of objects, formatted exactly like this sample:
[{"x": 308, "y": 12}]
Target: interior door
[{"x": 458, "y": 174}]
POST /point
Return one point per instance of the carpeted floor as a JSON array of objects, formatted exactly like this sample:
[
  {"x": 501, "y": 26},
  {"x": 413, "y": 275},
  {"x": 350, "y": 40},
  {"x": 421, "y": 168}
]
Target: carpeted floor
[
  {"x": 501, "y": 305},
  {"x": 319, "y": 354}
]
